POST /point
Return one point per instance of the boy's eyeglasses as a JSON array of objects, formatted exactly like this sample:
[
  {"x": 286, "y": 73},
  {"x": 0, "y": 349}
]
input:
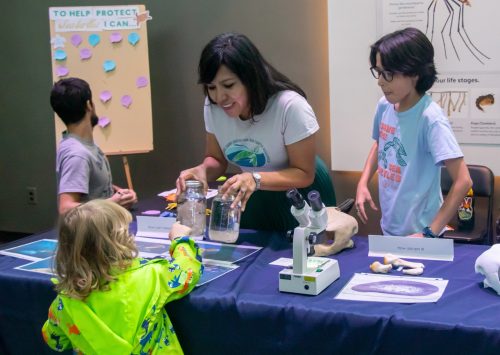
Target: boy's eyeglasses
[{"x": 386, "y": 74}]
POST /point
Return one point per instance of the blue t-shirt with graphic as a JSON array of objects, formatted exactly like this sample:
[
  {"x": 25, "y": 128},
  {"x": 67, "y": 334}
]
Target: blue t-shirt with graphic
[{"x": 412, "y": 146}]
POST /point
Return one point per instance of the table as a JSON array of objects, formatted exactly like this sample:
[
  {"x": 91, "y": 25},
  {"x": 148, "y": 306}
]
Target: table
[{"x": 244, "y": 313}]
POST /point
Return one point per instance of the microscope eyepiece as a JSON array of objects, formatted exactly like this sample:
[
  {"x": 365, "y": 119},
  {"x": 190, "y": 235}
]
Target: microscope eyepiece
[
  {"x": 296, "y": 198},
  {"x": 315, "y": 200}
]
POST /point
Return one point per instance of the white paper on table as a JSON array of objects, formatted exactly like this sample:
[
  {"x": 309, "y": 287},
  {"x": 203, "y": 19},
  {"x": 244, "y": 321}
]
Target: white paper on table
[
  {"x": 154, "y": 227},
  {"x": 153, "y": 247},
  {"x": 213, "y": 270},
  {"x": 395, "y": 289},
  {"x": 210, "y": 193},
  {"x": 411, "y": 248},
  {"x": 212, "y": 252},
  {"x": 43, "y": 266},
  {"x": 34, "y": 251},
  {"x": 286, "y": 262}
]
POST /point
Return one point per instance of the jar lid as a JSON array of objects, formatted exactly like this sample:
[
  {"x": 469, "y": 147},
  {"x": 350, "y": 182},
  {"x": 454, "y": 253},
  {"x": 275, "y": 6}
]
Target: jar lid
[{"x": 193, "y": 183}]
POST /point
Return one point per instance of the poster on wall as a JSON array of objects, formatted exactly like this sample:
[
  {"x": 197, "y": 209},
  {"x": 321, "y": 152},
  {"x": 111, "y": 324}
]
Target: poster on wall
[
  {"x": 464, "y": 34},
  {"x": 108, "y": 47}
]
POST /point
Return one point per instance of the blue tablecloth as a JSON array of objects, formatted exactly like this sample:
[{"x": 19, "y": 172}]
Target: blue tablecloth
[{"x": 244, "y": 312}]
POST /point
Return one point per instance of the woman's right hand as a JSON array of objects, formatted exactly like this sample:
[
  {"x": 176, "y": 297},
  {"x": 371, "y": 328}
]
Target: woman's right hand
[
  {"x": 196, "y": 173},
  {"x": 363, "y": 195}
]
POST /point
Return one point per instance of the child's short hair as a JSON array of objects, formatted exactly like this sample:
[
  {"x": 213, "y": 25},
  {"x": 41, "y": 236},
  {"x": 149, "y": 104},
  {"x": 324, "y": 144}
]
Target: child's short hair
[
  {"x": 94, "y": 245},
  {"x": 69, "y": 98},
  {"x": 408, "y": 52}
]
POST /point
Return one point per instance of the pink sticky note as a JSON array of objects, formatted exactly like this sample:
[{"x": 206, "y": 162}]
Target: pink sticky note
[
  {"x": 105, "y": 96},
  {"x": 62, "y": 71},
  {"x": 76, "y": 40},
  {"x": 141, "y": 82},
  {"x": 103, "y": 121},
  {"x": 126, "y": 101},
  {"x": 115, "y": 37},
  {"x": 85, "y": 53}
]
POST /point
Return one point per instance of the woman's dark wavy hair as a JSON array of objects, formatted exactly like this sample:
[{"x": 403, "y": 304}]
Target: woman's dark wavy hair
[
  {"x": 240, "y": 55},
  {"x": 409, "y": 52}
]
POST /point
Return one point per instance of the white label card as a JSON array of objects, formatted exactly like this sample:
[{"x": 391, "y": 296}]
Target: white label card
[
  {"x": 154, "y": 227},
  {"x": 412, "y": 248}
]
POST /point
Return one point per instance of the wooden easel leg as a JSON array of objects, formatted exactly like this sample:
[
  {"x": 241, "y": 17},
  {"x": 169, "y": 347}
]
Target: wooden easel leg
[{"x": 127, "y": 172}]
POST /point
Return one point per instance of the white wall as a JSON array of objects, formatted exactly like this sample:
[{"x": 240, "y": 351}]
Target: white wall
[{"x": 354, "y": 93}]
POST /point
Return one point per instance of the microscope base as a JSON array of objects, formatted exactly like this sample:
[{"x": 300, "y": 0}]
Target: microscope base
[{"x": 313, "y": 281}]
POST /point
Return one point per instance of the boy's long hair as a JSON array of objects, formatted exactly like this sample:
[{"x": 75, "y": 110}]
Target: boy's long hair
[
  {"x": 409, "y": 52},
  {"x": 240, "y": 55},
  {"x": 94, "y": 246}
]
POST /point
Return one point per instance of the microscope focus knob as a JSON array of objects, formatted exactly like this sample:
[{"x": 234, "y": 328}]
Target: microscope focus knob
[
  {"x": 313, "y": 237},
  {"x": 289, "y": 235}
]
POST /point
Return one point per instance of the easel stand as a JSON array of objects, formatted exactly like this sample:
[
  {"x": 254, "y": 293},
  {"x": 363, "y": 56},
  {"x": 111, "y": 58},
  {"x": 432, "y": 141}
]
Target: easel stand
[{"x": 126, "y": 167}]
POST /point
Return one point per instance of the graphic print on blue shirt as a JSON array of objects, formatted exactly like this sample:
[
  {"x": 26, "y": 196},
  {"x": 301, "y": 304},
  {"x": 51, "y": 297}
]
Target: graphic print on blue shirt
[
  {"x": 246, "y": 152},
  {"x": 392, "y": 156},
  {"x": 397, "y": 146}
]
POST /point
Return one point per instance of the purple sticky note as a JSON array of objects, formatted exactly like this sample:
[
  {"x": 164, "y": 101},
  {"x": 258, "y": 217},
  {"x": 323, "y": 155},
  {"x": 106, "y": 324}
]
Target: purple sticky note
[
  {"x": 126, "y": 101},
  {"x": 109, "y": 65},
  {"x": 85, "y": 53},
  {"x": 115, "y": 37},
  {"x": 103, "y": 121},
  {"x": 151, "y": 212},
  {"x": 141, "y": 82},
  {"x": 62, "y": 71},
  {"x": 105, "y": 96},
  {"x": 76, "y": 40}
]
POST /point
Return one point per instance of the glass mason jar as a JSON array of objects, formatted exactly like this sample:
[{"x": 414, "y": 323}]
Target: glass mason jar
[
  {"x": 191, "y": 208},
  {"x": 224, "y": 221}
]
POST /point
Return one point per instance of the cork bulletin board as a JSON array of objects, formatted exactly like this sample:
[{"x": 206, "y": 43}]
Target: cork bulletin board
[{"x": 108, "y": 47}]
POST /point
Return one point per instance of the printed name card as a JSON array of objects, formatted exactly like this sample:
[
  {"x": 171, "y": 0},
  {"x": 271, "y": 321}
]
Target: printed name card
[
  {"x": 412, "y": 248},
  {"x": 154, "y": 227}
]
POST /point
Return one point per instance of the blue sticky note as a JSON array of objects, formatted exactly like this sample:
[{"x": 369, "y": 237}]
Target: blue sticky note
[
  {"x": 94, "y": 39},
  {"x": 59, "y": 54},
  {"x": 133, "y": 38},
  {"x": 109, "y": 65}
]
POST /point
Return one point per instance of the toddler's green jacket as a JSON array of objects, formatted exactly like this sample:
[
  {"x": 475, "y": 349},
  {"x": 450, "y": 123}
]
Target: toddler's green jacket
[{"x": 130, "y": 317}]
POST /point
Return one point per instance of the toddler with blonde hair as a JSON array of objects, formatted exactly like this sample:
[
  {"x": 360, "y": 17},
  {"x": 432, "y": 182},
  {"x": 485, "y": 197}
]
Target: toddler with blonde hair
[{"x": 110, "y": 301}]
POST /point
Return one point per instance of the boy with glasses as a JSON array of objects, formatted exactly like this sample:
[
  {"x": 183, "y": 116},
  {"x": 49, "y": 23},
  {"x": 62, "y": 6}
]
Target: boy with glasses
[{"x": 413, "y": 138}]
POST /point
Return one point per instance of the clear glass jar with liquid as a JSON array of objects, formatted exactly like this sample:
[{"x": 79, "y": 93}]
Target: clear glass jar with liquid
[
  {"x": 191, "y": 209},
  {"x": 224, "y": 221}
]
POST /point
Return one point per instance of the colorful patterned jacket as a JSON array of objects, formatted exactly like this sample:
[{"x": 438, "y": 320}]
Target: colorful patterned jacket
[{"x": 130, "y": 317}]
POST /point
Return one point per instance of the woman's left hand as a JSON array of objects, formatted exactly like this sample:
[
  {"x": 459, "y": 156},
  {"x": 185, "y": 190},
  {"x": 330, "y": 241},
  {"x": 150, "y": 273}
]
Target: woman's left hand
[
  {"x": 242, "y": 186},
  {"x": 416, "y": 235}
]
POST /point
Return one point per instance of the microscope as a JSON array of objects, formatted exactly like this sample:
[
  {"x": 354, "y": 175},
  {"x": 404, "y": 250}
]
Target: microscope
[{"x": 310, "y": 275}]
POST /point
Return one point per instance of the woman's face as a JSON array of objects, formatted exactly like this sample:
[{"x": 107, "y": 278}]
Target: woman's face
[{"x": 229, "y": 93}]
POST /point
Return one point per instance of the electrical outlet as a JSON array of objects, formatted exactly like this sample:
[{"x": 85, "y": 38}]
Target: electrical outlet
[{"x": 32, "y": 195}]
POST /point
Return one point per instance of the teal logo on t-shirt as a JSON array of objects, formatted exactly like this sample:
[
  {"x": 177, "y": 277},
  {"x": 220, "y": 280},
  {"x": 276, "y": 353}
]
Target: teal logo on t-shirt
[
  {"x": 399, "y": 150},
  {"x": 245, "y": 152}
]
